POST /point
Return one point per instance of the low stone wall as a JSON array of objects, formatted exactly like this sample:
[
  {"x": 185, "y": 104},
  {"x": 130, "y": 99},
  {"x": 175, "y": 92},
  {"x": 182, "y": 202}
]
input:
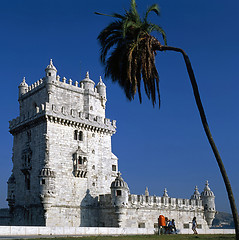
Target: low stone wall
[
  {"x": 208, "y": 231},
  {"x": 24, "y": 231},
  {"x": 28, "y": 231}
]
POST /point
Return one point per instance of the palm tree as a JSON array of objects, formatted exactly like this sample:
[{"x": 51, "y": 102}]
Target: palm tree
[{"x": 128, "y": 51}]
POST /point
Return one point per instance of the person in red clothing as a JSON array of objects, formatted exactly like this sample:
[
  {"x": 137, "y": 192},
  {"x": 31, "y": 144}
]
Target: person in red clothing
[{"x": 161, "y": 224}]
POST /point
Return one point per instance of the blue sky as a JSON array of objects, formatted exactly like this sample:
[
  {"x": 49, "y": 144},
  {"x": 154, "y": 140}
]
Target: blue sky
[{"x": 156, "y": 148}]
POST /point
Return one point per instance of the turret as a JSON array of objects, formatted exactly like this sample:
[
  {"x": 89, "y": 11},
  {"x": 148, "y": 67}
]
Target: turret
[
  {"x": 87, "y": 83},
  {"x": 47, "y": 187},
  {"x": 23, "y": 87},
  {"x": 208, "y": 200},
  {"x": 196, "y": 194},
  {"x": 119, "y": 191},
  {"x": 11, "y": 192},
  {"x": 101, "y": 89},
  {"x": 50, "y": 72}
]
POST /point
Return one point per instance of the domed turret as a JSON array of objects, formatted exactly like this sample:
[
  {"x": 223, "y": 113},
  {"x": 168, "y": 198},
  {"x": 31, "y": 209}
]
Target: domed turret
[
  {"x": 23, "y": 87},
  {"x": 196, "y": 194},
  {"x": 51, "y": 72},
  {"x": 101, "y": 89},
  {"x": 119, "y": 191},
  {"x": 47, "y": 194},
  {"x": 208, "y": 200},
  {"x": 87, "y": 83}
]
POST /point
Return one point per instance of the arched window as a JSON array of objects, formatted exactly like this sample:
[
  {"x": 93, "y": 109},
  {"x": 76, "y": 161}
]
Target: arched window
[
  {"x": 27, "y": 180},
  {"x": 75, "y": 135},
  {"x": 80, "y": 160},
  {"x": 81, "y": 136}
]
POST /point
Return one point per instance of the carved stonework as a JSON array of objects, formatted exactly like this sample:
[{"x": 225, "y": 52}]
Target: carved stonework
[{"x": 79, "y": 163}]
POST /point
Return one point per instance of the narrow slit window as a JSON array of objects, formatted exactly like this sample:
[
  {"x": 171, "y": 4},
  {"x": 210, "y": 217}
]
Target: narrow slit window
[
  {"x": 81, "y": 136},
  {"x": 75, "y": 135}
]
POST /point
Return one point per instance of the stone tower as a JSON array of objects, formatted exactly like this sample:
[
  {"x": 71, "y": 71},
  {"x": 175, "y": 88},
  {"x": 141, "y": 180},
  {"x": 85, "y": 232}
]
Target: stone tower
[
  {"x": 119, "y": 199},
  {"x": 62, "y": 158},
  {"x": 208, "y": 200}
]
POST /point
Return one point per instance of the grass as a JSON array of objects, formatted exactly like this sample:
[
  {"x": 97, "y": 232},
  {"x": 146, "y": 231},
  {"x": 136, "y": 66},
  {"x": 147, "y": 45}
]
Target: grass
[{"x": 151, "y": 237}]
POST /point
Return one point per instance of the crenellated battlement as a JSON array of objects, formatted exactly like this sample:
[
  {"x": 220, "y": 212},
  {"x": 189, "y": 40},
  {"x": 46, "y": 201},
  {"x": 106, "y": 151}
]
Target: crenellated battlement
[
  {"x": 151, "y": 202},
  {"x": 79, "y": 87},
  {"x": 140, "y": 201},
  {"x": 63, "y": 115},
  {"x": 164, "y": 202}
]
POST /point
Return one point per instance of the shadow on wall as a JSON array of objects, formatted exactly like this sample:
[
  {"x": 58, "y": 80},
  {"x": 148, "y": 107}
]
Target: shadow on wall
[{"x": 89, "y": 211}]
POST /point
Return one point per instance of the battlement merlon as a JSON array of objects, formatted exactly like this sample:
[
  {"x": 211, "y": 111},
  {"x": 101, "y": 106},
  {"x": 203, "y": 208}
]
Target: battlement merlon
[
  {"x": 136, "y": 201},
  {"x": 26, "y": 90},
  {"x": 70, "y": 117}
]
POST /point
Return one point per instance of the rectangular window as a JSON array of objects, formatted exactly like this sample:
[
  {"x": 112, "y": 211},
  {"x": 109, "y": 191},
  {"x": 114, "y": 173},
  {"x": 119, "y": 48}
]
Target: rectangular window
[
  {"x": 185, "y": 225},
  {"x": 118, "y": 193},
  {"x": 114, "y": 168},
  {"x": 27, "y": 181},
  {"x": 141, "y": 225},
  {"x": 43, "y": 181}
]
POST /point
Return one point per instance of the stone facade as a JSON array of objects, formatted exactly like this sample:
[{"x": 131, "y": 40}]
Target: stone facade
[{"x": 64, "y": 172}]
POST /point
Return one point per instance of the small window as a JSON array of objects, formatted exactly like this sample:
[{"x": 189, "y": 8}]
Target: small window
[
  {"x": 43, "y": 181},
  {"x": 81, "y": 136},
  {"x": 141, "y": 225},
  {"x": 93, "y": 167},
  {"x": 49, "y": 74},
  {"x": 91, "y": 107},
  {"x": 80, "y": 161},
  {"x": 118, "y": 193},
  {"x": 75, "y": 135},
  {"x": 29, "y": 137},
  {"x": 27, "y": 181},
  {"x": 114, "y": 168},
  {"x": 185, "y": 225}
]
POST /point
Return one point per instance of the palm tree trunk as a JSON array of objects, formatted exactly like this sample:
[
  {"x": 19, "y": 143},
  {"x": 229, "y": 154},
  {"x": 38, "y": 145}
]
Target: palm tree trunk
[{"x": 208, "y": 133}]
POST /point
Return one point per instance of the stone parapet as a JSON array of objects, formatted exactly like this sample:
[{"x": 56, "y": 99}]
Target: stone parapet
[
  {"x": 164, "y": 202},
  {"x": 70, "y": 117},
  {"x": 62, "y": 83}
]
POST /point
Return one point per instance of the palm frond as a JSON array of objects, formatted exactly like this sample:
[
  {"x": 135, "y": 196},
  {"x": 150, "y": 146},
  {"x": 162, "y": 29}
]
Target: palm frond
[
  {"x": 128, "y": 52},
  {"x": 154, "y": 27},
  {"x": 152, "y": 8}
]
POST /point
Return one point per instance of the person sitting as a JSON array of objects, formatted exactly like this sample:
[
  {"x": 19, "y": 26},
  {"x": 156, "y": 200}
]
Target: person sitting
[{"x": 172, "y": 226}]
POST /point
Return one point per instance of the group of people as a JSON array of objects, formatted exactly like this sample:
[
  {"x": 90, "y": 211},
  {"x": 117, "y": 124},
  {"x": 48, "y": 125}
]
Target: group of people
[{"x": 166, "y": 226}]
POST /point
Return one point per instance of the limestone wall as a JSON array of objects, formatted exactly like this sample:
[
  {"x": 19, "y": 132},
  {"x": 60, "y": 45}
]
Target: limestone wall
[{"x": 74, "y": 231}]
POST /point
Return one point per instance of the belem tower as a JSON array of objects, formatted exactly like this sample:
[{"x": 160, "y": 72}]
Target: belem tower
[{"x": 64, "y": 172}]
